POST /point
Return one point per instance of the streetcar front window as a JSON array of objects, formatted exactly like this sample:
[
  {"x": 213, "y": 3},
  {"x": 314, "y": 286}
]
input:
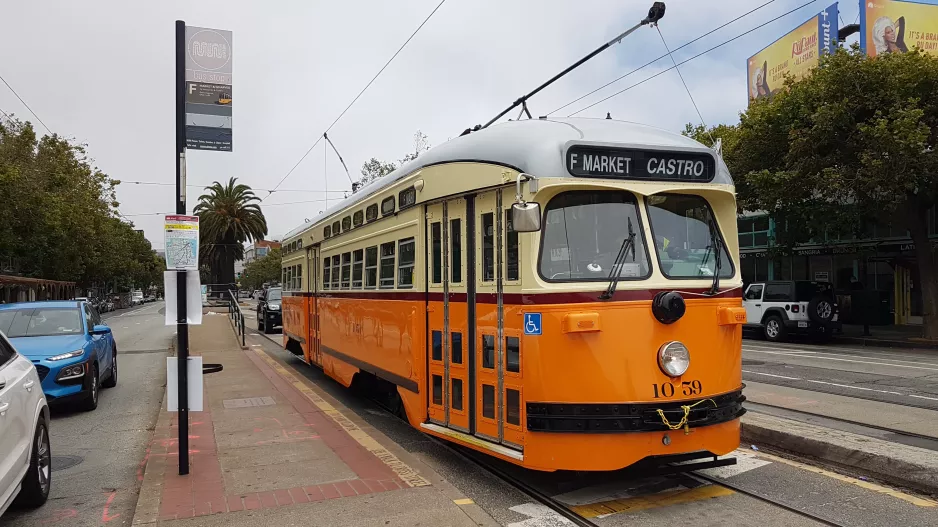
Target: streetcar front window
[
  {"x": 584, "y": 232},
  {"x": 682, "y": 225}
]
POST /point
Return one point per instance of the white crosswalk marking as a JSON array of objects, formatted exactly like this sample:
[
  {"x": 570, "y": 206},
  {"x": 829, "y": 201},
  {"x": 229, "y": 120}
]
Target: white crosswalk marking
[{"x": 539, "y": 516}]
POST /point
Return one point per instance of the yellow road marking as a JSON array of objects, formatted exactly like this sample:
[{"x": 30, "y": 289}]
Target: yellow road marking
[
  {"x": 403, "y": 471},
  {"x": 660, "y": 499},
  {"x": 915, "y": 500},
  {"x": 464, "y": 501}
]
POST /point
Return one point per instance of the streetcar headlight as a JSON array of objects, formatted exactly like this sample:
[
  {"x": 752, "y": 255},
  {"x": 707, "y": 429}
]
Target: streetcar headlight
[{"x": 673, "y": 358}]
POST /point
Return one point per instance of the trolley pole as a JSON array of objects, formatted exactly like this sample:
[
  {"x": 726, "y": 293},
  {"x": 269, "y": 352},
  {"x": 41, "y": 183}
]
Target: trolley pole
[{"x": 182, "y": 328}]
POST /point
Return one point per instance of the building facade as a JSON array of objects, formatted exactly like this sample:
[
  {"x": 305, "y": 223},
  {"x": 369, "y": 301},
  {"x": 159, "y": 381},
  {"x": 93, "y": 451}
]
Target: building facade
[
  {"x": 259, "y": 249},
  {"x": 882, "y": 260}
]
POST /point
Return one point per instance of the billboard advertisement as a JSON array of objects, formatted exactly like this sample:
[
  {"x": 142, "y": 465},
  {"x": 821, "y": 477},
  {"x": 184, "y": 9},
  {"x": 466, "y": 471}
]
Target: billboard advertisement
[
  {"x": 892, "y": 26},
  {"x": 208, "y": 89},
  {"x": 795, "y": 54}
]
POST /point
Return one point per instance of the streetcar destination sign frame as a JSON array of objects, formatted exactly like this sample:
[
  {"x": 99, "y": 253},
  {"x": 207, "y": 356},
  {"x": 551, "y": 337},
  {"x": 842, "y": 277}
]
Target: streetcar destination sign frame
[{"x": 631, "y": 163}]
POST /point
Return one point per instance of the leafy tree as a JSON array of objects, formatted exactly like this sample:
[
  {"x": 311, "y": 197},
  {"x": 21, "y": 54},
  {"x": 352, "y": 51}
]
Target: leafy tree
[
  {"x": 264, "y": 269},
  {"x": 374, "y": 168},
  {"x": 852, "y": 144},
  {"x": 229, "y": 216}
]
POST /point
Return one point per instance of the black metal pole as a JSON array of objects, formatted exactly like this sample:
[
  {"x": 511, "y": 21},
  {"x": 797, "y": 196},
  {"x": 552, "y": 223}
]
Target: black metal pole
[{"x": 182, "y": 328}]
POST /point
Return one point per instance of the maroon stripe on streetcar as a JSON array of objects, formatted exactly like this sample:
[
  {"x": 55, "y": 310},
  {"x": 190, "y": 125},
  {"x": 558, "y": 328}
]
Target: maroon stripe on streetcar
[{"x": 637, "y": 295}]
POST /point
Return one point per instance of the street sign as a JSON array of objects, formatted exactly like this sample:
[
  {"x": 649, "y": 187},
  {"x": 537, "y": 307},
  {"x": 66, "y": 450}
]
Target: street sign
[
  {"x": 208, "y": 89},
  {"x": 181, "y": 237}
]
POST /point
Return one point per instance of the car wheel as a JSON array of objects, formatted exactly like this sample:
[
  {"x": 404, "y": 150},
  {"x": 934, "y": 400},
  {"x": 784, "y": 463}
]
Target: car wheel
[
  {"x": 260, "y": 323},
  {"x": 821, "y": 309},
  {"x": 38, "y": 479},
  {"x": 267, "y": 325},
  {"x": 112, "y": 377},
  {"x": 774, "y": 329},
  {"x": 91, "y": 400}
]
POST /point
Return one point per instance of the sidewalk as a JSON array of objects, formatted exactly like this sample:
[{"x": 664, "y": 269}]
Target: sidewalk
[
  {"x": 271, "y": 448},
  {"x": 887, "y": 336}
]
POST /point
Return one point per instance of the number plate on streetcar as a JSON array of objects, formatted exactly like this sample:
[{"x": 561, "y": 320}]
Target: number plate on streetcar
[
  {"x": 802, "y": 324},
  {"x": 667, "y": 390}
]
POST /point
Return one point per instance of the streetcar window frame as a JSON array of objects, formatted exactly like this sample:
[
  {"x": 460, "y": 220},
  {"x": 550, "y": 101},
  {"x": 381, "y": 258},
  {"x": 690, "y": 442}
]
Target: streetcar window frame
[
  {"x": 406, "y": 267},
  {"x": 326, "y": 272},
  {"x": 512, "y": 247},
  {"x": 436, "y": 250},
  {"x": 387, "y": 211},
  {"x": 327, "y": 232},
  {"x": 346, "y": 277},
  {"x": 726, "y": 258},
  {"x": 371, "y": 271},
  {"x": 336, "y": 265},
  {"x": 358, "y": 260},
  {"x": 336, "y": 228},
  {"x": 358, "y": 219},
  {"x": 371, "y": 213},
  {"x": 406, "y": 198},
  {"x": 386, "y": 258},
  {"x": 488, "y": 266},
  {"x": 638, "y": 229},
  {"x": 298, "y": 285},
  {"x": 346, "y": 224},
  {"x": 455, "y": 250}
]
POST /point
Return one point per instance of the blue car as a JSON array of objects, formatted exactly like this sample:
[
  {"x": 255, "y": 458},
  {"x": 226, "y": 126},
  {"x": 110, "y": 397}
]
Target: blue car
[{"x": 73, "y": 350}]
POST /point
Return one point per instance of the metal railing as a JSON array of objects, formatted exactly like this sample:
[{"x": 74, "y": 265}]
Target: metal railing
[{"x": 236, "y": 315}]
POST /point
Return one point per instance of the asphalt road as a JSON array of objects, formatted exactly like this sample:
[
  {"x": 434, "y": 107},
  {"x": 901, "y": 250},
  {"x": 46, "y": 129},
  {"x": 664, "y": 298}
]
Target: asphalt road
[
  {"x": 905, "y": 377},
  {"x": 110, "y": 443}
]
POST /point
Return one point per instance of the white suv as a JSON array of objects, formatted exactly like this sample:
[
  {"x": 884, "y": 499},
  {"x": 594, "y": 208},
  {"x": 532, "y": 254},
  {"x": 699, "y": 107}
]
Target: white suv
[
  {"x": 25, "y": 457},
  {"x": 780, "y": 307}
]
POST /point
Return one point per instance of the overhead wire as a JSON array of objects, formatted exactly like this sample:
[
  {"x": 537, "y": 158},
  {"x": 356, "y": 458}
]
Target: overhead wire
[
  {"x": 24, "y": 104},
  {"x": 347, "y": 108},
  {"x": 760, "y": 26},
  {"x": 649, "y": 63},
  {"x": 267, "y": 205},
  {"x": 679, "y": 74},
  {"x": 169, "y": 184}
]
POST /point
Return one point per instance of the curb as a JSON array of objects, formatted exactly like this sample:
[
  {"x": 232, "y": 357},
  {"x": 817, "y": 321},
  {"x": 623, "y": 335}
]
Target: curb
[
  {"x": 866, "y": 341},
  {"x": 894, "y": 463}
]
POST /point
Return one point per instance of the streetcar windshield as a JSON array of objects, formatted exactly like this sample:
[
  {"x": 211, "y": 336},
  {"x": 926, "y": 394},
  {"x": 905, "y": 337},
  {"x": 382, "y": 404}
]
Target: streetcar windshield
[
  {"x": 681, "y": 226},
  {"x": 583, "y": 234}
]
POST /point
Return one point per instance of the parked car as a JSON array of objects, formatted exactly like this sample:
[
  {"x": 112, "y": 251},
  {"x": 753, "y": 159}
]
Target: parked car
[
  {"x": 72, "y": 349},
  {"x": 269, "y": 314},
  {"x": 25, "y": 456},
  {"x": 784, "y": 306}
]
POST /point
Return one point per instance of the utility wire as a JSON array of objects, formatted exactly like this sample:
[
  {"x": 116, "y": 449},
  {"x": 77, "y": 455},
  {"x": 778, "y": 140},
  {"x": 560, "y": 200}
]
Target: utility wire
[
  {"x": 26, "y": 105},
  {"x": 692, "y": 58},
  {"x": 160, "y": 183},
  {"x": 268, "y": 205},
  {"x": 373, "y": 79},
  {"x": 708, "y": 33},
  {"x": 670, "y": 54}
]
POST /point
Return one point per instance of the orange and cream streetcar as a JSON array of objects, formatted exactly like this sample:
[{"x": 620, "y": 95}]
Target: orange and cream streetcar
[{"x": 558, "y": 293}]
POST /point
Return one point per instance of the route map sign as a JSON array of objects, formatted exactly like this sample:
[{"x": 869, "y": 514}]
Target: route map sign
[{"x": 181, "y": 237}]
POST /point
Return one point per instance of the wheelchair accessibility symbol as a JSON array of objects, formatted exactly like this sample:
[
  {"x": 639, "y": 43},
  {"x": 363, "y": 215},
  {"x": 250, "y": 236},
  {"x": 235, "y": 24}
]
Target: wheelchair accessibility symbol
[{"x": 532, "y": 323}]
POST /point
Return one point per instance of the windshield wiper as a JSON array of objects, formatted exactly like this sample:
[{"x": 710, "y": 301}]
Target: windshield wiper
[
  {"x": 619, "y": 263},
  {"x": 717, "y": 256}
]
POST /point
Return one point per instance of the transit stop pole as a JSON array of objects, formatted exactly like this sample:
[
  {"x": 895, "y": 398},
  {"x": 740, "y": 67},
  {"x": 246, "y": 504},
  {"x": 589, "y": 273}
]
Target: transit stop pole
[{"x": 182, "y": 328}]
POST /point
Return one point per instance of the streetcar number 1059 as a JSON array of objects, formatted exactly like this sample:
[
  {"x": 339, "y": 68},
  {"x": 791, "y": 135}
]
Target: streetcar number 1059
[{"x": 667, "y": 390}]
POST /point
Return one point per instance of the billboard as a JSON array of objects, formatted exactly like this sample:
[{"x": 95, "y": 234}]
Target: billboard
[
  {"x": 208, "y": 89},
  {"x": 795, "y": 54},
  {"x": 891, "y": 26}
]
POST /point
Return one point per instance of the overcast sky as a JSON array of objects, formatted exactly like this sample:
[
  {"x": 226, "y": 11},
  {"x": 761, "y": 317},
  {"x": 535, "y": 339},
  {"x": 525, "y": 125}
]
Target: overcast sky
[{"x": 101, "y": 72}]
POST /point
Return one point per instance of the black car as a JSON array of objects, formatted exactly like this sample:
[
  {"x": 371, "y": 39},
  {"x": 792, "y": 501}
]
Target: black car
[{"x": 269, "y": 314}]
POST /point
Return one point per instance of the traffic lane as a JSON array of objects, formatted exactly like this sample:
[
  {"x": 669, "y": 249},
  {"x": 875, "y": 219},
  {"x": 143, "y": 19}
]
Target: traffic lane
[
  {"x": 141, "y": 329},
  {"x": 108, "y": 444},
  {"x": 651, "y": 503},
  {"x": 883, "y": 376}
]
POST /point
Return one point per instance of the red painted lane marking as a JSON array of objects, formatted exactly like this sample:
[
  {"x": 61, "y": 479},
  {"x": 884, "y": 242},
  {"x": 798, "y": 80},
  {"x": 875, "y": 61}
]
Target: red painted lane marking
[
  {"x": 60, "y": 515},
  {"x": 105, "y": 517}
]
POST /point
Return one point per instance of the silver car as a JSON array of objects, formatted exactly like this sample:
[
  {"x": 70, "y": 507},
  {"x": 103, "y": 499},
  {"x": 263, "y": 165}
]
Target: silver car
[{"x": 25, "y": 455}]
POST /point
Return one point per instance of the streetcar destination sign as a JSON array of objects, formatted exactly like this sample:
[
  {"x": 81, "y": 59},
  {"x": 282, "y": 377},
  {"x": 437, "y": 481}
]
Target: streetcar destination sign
[{"x": 629, "y": 163}]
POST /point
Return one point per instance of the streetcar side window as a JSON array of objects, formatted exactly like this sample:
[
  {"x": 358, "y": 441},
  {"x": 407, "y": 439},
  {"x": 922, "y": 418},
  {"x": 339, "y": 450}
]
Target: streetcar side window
[
  {"x": 335, "y": 228},
  {"x": 387, "y": 265},
  {"x": 289, "y": 277},
  {"x": 488, "y": 351},
  {"x": 346, "y": 270},
  {"x": 455, "y": 252},
  {"x": 371, "y": 267},
  {"x": 335, "y": 272},
  {"x": 488, "y": 247},
  {"x": 299, "y": 278},
  {"x": 436, "y": 248},
  {"x": 357, "y": 269},
  {"x": 405, "y": 266},
  {"x": 326, "y": 267},
  {"x": 511, "y": 249},
  {"x": 584, "y": 232}
]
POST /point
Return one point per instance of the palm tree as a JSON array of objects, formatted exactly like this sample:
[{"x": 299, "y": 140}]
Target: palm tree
[{"x": 229, "y": 215}]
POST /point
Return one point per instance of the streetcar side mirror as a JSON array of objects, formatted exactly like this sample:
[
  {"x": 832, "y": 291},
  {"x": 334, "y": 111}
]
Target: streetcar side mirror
[{"x": 526, "y": 217}]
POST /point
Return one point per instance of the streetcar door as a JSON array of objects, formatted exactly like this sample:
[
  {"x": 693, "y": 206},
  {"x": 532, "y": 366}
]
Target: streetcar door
[
  {"x": 312, "y": 339},
  {"x": 447, "y": 315}
]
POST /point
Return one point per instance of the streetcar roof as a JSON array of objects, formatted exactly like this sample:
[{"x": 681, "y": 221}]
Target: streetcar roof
[{"x": 534, "y": 146}]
